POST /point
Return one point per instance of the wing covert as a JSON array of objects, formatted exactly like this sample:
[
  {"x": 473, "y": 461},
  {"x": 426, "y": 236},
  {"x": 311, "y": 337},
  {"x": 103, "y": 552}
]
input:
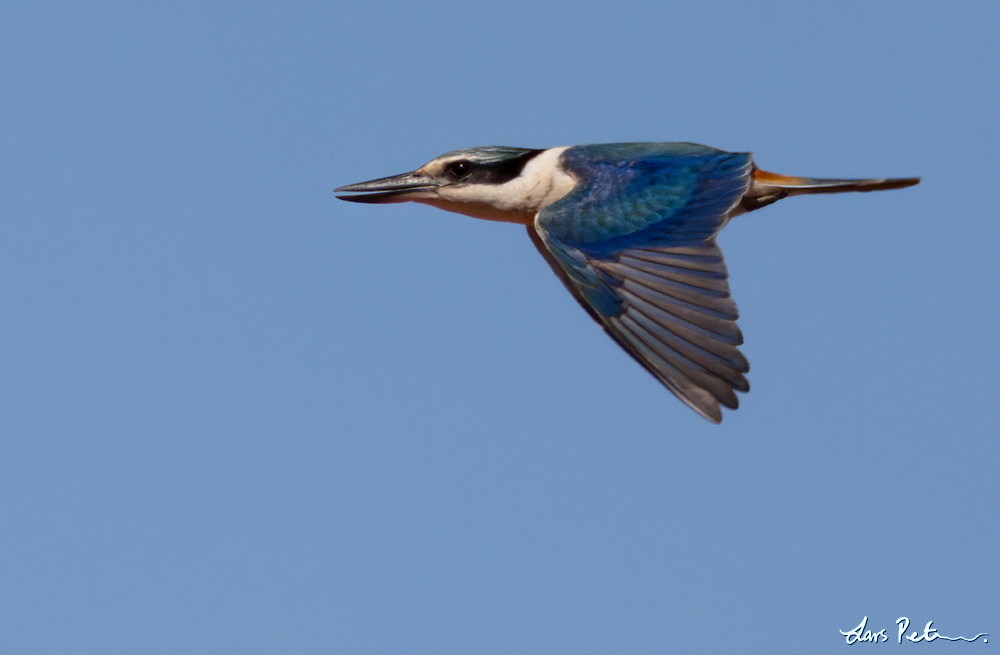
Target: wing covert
[{"x": 628, "y": 194}]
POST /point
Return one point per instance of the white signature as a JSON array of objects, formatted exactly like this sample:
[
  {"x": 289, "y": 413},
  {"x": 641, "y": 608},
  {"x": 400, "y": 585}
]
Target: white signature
[{"x": 861, "y": 634}]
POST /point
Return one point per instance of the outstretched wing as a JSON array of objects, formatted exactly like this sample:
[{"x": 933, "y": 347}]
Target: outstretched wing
[{"x": 634, "y": 243}]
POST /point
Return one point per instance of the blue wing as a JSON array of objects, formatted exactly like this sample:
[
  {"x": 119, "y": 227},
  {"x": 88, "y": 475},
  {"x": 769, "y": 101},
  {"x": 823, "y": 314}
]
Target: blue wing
[{"x": 634, "y": 242}]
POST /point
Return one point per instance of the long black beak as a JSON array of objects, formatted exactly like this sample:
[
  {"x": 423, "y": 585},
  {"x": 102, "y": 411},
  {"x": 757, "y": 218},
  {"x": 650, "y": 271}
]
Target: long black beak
[{"x": 387, "y": 189}]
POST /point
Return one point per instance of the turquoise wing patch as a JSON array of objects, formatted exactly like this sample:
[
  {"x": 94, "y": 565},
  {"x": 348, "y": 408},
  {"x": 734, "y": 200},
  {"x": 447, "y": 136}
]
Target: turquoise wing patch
[{"x": 630, "y": 193}]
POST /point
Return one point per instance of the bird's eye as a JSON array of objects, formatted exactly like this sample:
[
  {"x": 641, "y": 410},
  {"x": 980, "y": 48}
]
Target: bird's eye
[{"x": 459, "y": 168}]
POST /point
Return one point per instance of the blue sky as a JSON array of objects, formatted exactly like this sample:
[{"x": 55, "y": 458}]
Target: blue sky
[{"x": 240, "y": 416}]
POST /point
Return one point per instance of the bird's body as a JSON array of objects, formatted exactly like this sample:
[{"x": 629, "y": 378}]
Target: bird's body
[{"x": 630, "y": 230}]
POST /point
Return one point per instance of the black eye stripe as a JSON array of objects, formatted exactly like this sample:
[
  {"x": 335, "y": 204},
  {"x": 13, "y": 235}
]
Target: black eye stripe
[{"x": 493, "y": 172}]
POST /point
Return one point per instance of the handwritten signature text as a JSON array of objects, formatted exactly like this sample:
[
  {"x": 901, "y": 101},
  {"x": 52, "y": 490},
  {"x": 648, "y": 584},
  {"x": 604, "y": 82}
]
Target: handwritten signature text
[{"x": 930, "y": 633}]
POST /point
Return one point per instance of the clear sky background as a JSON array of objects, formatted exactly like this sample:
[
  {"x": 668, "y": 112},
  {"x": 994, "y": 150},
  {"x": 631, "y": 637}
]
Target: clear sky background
[{"x": 240, "y": 416}]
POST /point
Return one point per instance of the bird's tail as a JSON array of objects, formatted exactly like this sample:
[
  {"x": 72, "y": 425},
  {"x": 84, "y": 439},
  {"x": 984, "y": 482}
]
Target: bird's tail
[
  {"x": 772, "y": 182},
  {"x": 770, "y": 187}
]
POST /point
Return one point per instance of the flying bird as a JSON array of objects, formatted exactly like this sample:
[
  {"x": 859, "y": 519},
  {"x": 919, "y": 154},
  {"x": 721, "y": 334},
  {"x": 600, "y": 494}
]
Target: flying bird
[{"x": 630, "y": 230}]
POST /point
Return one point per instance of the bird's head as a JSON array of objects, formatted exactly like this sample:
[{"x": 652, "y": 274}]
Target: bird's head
[{"x": 494, "y": 182}]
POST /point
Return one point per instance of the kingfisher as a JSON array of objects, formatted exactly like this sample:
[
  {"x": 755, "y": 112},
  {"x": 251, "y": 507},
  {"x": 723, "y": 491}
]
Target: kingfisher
[{"x": 629, "y": 229}]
